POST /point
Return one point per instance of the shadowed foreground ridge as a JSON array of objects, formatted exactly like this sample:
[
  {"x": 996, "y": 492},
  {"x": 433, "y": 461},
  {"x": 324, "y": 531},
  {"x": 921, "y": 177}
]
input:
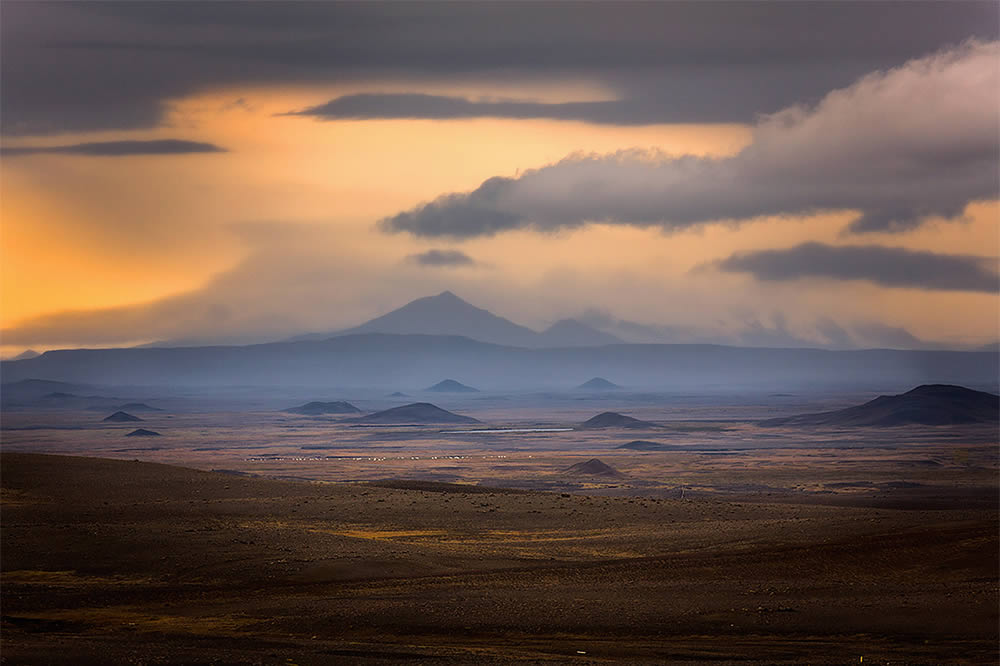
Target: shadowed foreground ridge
[
  {"x": 115, "y": 561},
  {"x": 930, "y": 404},
  {"x": 415, "y": 413}
]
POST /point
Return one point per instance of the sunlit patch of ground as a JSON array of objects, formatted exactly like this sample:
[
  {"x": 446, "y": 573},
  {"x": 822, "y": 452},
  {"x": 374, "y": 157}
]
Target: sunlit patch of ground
[{"x": 68, "y": 578}]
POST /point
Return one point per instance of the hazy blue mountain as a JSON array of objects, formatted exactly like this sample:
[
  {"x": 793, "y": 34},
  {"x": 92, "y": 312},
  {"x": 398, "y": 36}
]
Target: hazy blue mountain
[
  {"x": 397, "y": 362},
  {"x": 27, "y": 353},
  {"x": 451, "y": 386},
  {"x": 30, "y": 389},
  {"x": 598, "y": 384},
  {"x": 444, "y": 314},
  {"x": 447, "y": 314},
  {"x": 572, "y": 333}
]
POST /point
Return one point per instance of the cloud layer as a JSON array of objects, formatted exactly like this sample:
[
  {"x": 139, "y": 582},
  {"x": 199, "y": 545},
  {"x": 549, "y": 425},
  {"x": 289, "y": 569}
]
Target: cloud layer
[
  {"x": 900, "y": 146},
  {"x": 117, "y": 148},
  {"x": 446, "y": 258},
  {"x": 98, "y": 66},
  {"x": 887, "y": 266},
  {"x": 676, "y": 106}
]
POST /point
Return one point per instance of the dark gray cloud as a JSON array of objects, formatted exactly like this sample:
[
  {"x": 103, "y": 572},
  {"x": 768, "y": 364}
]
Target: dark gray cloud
[
  {"x": 413, "y": 105},
  {"x": 447, "y": 258},
  {"x": 98, "y": 65},
  {"x": 116, "y": 148},
  {"x": 887, "y": 266},
  {"x": 682, "y": 103},
  {"x": 900, "y": 146}
]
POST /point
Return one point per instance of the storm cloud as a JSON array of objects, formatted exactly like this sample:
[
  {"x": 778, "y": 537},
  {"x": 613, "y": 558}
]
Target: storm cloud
[
  {"x": 899, "y": 146},
  {"x": 117, "y": 148},
  {"x": 886, "y": 266},
  {"x": 112, "y": 65},
  {"x": 446, "y": 258}
]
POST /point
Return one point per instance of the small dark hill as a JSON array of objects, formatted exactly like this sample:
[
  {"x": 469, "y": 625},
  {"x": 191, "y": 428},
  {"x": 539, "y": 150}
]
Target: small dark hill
[
  {"x": 451, "y": 386},
  {"x": 643, "y": 445},
  {"x": 319, "y": 408},
  {"x": 594, "y": 467},
  {"x": 416, "y": 413},
  {"x": 142, "y": 432},
  {"x": 121, "y": 417},
  {"x": 138, "y": 407},
  {"x": 598, "y": 384},
  {"x": 59, "y": 395},
  {"x": 930, "y": 404},
  {"x": 615, "y": 420},
  {"x": 33, "y": 389},
  {"x": 397, "y": 394}
]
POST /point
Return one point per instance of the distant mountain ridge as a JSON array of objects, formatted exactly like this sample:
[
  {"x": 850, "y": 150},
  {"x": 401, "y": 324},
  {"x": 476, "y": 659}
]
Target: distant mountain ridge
[
  {"x": 447, "y": 314},
  {"x": 401, "y": 362}
]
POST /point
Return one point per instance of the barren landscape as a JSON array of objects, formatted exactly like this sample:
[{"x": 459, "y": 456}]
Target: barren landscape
[
  {"x": 576, "y": 332},
  {"x": 265, "y": 536}
]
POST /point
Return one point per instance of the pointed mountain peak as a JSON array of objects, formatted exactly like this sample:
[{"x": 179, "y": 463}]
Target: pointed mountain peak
[
  {"x": 598, "y": 384},
  {"x": 447, "y": 314}
]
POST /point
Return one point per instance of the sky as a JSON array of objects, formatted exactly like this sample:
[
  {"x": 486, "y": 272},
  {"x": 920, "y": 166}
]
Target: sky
[{"x": 768, "y": 174}]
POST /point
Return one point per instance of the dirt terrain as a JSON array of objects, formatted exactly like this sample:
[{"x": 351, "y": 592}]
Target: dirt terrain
[{"x": 120, "y": 561}]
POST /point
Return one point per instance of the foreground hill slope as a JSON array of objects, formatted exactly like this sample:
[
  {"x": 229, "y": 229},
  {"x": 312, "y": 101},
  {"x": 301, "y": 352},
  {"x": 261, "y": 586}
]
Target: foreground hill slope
[
  {"x": 115, "y": 561},
  {"x": 932, "y": 404}
]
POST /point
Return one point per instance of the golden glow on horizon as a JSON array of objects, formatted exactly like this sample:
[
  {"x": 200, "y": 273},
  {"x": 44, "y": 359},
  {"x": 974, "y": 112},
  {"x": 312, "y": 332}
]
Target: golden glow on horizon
[{"x": 92, "y": 233}]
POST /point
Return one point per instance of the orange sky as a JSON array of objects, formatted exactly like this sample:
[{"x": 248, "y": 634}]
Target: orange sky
[{"x": 85, "y": 234}]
